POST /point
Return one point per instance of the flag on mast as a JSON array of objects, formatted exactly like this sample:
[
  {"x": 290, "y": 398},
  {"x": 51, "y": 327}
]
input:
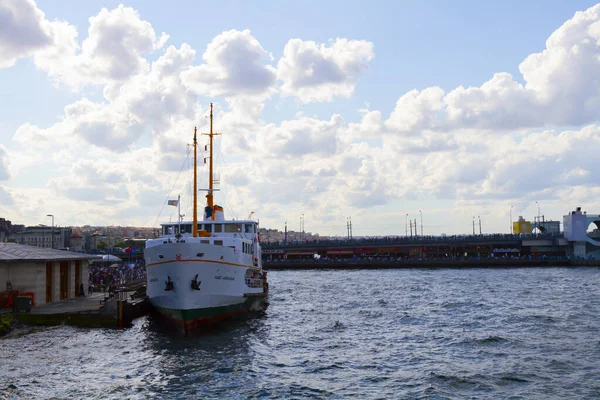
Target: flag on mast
[{"x": 173, "y": 203}]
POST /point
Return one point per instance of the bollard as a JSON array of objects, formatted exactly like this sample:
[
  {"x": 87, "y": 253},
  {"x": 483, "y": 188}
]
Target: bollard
[{"x": 120, "y": 312}]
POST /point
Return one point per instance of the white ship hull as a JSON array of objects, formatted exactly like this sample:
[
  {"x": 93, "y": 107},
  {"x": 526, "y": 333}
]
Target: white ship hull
[{"x": 226, "y": 285}]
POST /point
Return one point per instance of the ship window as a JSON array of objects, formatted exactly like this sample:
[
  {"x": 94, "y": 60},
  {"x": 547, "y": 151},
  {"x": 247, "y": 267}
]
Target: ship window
[
  {"x": 218, "y": 228},
  {"x": 218, "y": 243},
  {"x": 207, "y": 227},
  {"x": 186, "y": 228},
  {"x": 205, "y": 241},
  {"x": 248, "y": 228},
  {"x": 232, "y": 228}
]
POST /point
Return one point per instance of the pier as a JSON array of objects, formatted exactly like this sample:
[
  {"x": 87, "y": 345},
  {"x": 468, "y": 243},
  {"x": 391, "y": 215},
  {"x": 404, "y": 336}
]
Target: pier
[{"x": 105, "y": 309}]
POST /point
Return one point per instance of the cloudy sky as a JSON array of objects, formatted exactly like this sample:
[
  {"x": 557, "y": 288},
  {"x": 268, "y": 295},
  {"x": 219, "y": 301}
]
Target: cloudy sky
[{"x": 328, "y": 109}]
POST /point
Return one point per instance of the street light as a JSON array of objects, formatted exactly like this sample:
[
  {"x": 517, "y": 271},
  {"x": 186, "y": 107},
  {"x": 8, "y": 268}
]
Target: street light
[
  {"x": 511, "y": 224},
  {"x": 421, "y": 222},
  {"x": 538, "y": 220},
  {"x": 406, "y": 226},
  {"x": 52, "y": 232}
]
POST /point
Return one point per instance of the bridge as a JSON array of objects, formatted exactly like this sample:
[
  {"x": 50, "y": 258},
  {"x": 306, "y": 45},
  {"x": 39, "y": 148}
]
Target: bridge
[{"x": 420, "y": 246}]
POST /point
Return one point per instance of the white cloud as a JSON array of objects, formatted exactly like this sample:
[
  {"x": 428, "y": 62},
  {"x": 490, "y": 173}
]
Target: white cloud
[
  {"x": 146, "y": 103},
  {"x": 562, "y": 87},
  {"x": 370, "y": 126},
  {"x": 6, "y": 200},
  {"x": 416, "y": 111},
  {"x": 546, "y": 160},
  {"x": 99, "y": 124},
  {"x": 295, "y": 138},
  {"x": 470, "y": 146},
  {"x": 23, "y": 30},
  {"x": 4, "y": 163},
  {"x": 234, "y": 65},
  {"x": 110, "y": 53},
  {"x": 314, "y": 72}
]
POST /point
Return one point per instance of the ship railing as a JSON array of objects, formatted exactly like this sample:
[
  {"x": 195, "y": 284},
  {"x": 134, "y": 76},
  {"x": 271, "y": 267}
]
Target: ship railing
[{"x": 254, "y": 283}]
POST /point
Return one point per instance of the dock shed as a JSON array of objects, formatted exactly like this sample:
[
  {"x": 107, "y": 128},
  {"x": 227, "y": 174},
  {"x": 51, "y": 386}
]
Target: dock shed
[{"x": 52, "y": 275}]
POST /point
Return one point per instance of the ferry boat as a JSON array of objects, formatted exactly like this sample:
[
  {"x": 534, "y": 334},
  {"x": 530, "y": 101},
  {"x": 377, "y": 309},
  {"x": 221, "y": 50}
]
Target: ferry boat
[{"x": 201, "y": 272}]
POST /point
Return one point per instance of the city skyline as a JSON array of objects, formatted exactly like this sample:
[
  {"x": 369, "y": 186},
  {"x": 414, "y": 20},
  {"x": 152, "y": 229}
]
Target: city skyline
[{"x": 438, "y": 112}]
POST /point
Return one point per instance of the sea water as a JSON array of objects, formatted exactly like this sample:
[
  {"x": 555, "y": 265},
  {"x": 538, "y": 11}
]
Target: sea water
[{"x": 389, "y": 334}]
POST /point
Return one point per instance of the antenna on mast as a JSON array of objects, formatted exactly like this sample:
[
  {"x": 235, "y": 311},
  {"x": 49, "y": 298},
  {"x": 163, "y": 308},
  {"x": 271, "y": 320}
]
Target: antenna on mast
[
  {"x": 195, "y": 221},
  {"x": 209, "y": 195}
]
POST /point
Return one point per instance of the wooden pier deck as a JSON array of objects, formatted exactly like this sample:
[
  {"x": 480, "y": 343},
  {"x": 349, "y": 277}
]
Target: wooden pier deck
[{"x": 96, "y": 309}]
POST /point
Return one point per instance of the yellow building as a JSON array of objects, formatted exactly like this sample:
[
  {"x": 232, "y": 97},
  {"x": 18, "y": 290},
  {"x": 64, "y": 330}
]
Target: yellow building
[{"x": 521, "y": 226}]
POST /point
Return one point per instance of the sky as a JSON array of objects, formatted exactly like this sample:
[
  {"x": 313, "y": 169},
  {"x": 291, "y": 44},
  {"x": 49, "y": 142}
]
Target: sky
[{"x": 447, "y": 113}]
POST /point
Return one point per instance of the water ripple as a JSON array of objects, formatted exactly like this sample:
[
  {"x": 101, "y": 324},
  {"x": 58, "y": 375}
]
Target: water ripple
[{"x": 430, "y": 334}]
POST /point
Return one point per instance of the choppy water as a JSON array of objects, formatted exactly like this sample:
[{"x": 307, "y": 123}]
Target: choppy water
[{"x": 474, "y": 333}]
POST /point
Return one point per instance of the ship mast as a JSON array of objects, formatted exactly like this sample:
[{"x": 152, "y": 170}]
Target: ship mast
[
  {"x": 195, "y": 223},
  {"x": 209, "y": 196}
]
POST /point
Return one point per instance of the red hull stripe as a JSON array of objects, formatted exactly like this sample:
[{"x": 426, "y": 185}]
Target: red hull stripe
[
  {"x": 192, "y": 320},
  {"x": 201, "y": 261}
]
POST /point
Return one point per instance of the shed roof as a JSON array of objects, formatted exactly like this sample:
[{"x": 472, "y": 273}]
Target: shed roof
[{"x": 10, "y": 252}]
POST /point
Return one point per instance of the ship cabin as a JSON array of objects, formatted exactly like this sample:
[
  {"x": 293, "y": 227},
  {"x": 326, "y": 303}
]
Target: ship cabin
[
  {"x": 241, "y": 235},
  {"x": 214, "y": 228}
]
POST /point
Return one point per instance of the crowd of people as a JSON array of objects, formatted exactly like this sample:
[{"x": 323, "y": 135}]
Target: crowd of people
[
  {"x": 106, "y": 277},
  {"x": 412, "y": 239}
]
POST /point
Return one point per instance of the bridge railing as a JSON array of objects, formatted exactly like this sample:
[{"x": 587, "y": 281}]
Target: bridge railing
[{"x": 411, "y": 240}]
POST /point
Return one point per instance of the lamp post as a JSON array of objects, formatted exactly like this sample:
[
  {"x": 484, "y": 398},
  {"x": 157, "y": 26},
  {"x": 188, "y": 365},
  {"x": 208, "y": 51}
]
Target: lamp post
[
  {"x": 350, "y": 227},
  {"x": 473, "y": 225},
  {"x": 51, "y": 232},
  {"x": 421, "y": 222},
  {"x": 511, "y": 224},
  {"x": 538, "y": 219},
  {"x": 406, "y": 226}
]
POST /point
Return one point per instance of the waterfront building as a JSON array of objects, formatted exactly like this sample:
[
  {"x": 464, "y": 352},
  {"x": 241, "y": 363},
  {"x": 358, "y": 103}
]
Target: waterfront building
[
  {"x": 51, "y": 275},
  {"x": 43, "y": 236},
  {"x": 94, "y": 241},
  {"x": 581, "y": 243},
  {"x": 521, "y": 226},
  {"x": 76, "y": 242},
  {"x": 7, "y": 228},
  {"x": 547, "y": 226}
]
